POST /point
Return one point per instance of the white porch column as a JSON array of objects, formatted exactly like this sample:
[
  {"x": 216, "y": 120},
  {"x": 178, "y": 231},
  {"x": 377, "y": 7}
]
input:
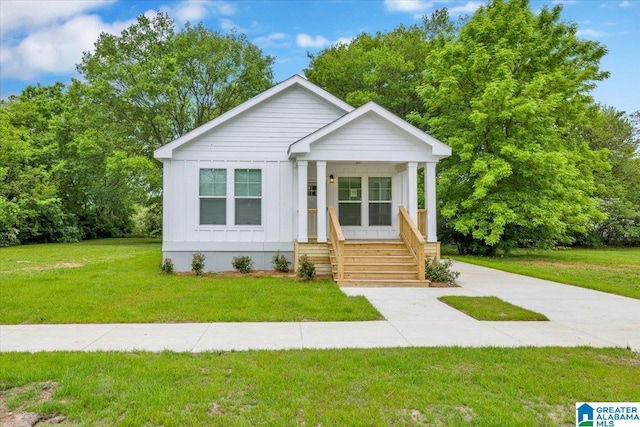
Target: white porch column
[
  {"x": 412, "y": 205},
  {"x": 430, "y": 201},
  {"x": 303, "y": 233},
  {"x": 321, "y": 220}
]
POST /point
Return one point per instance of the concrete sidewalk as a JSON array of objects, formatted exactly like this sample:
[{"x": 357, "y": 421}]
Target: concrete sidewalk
[{"x": 414, "y": 317}]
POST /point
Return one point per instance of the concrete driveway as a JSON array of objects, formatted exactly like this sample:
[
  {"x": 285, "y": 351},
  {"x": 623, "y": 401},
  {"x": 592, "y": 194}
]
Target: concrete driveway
[{"x": 414, "y": 317}]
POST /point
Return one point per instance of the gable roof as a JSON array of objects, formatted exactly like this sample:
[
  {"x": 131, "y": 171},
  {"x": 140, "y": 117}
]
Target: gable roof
[
  {"x": 438, "y": 148},
  {"x": 166, "y": 151}
]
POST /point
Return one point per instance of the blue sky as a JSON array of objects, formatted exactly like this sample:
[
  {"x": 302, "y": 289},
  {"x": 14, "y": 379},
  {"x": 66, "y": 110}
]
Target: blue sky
[{"x": 41, "y": 41}]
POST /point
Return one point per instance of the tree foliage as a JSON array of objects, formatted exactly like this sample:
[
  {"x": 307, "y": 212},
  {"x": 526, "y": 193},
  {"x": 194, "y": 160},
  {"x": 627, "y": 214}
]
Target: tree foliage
[
  {"x": 76, "y": 162},
  {"x": 615, "y": 133},
  {"x": 159, "y": 84},
  {"x": 507, "y": 94},
  {"x": 384, "y": 68}
]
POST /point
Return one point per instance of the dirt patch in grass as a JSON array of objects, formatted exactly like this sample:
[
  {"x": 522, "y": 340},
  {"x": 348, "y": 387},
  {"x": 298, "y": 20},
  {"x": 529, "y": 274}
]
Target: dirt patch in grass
[
  {"x": 578, "y": 265},
  {"x": 44, "y": 267},
  {"x": 34, "y": 393}
]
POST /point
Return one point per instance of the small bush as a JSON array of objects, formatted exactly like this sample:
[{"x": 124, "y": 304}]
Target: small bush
[
  {"x": 243, "y": 264},
  {"x": 167, "y": 266},
  {"x": 440, "y": 271},
  {"x": 306, "y": 269},
  {"x": 280, "y": 263},
  {"x": 197, "y": 263}
]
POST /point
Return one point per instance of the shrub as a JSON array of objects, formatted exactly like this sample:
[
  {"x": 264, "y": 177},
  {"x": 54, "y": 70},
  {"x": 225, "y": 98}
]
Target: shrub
[
  {"x": 280, "y": 263},
  {"x": 440, "y": 271},
  {"x": 167, "y": 266},
  {"x": 243, "y": 264},
  {"x": 197, "y": 263},
  {"x": 306, "y": 269}
]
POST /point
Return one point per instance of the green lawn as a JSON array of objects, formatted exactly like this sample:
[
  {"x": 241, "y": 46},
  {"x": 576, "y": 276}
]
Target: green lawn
[
  {"x": 491, "y": 308},
  {"x": 381, "y": 387},
  {"x": 119, "y": 281},
  {"x": 616, "y": 271}
]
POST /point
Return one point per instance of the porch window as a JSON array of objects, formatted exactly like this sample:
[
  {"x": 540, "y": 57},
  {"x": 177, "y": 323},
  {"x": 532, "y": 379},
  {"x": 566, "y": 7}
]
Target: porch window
[
  {"x": 248, "y": 196},
  {"x": 350, "y": 201},
  {"x": 213, "y": 196},
  {"x": 380, "y": 201}
]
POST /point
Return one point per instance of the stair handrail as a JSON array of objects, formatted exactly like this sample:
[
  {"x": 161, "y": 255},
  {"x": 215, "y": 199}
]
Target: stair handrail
[
  {"x": 337, "y": 242},
  {"x": 414, "y": 240}
]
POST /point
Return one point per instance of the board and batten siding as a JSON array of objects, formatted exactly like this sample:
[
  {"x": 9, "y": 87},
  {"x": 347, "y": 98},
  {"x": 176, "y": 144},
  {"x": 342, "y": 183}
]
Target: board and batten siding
[
  {"x": 369, "y": 139},
  {"x": 265, "y": 131}
]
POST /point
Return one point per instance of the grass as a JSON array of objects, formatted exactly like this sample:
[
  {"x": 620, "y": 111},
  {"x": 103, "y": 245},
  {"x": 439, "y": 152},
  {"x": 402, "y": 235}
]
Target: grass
[
  {"x": 119, "y": 281},
  {"x": 491, "y": 308},
  {"x": 411, "y": 386},
  {"x": 615, "y": 271}
]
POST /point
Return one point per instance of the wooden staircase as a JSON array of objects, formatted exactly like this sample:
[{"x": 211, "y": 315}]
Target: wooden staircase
[{"x": 377, "y": 263}]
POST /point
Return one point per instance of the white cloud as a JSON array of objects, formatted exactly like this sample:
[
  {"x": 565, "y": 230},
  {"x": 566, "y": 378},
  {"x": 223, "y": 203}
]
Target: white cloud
[
  {"x": 470, "y": 7},
  {"x": 589, "y": 32},
  {"x": 195, "y": 10},
  {"x": 344, "y": 41},
  {"x": 272, "y": 40},
  {"x": 305, "y": 40},
  {"x": 407, "y": 5},
  {"x": 55, "y": 48},
  {"x": 26, "y": 15},
  {"x": 625, "y": 4}
]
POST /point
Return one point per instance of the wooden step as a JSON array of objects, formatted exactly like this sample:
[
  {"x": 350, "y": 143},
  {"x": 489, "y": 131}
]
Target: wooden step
[
  {"x": 374, "y": 259},
  {"x": 374, "y": 266},
  {"x": 380, "y": 274}
]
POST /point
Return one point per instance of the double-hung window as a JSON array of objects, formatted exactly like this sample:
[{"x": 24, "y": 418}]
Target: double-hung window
[
  {"x": 213, "y": 196},
  {"x": 350, "y": 200},
  {"x": 380, "y": 201},
  {"x": 248, "y": 196}
]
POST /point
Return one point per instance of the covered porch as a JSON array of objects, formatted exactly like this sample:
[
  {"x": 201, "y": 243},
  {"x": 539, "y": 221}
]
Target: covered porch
[{"x": 356, "y": 190}]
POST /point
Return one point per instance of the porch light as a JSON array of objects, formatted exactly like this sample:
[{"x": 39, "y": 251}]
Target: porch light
[{"x": 331, "y": 178}]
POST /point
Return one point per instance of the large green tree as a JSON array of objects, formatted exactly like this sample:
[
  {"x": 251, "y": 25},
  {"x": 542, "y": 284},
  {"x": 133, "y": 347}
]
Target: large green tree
[
  {"x": 158, "y": 84},
  {"x": 385, "y": 68},
  {"x": 615, "y": 133},
  {"x": 77, "y": 162},
  {"x": 507, "y": 94}
]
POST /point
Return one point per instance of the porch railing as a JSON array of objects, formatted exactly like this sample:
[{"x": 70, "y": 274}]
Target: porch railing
[
  {"x": 312, "y": 223},
  {"x": 422, "y": 221},
  {"x": 337, "y": 243},
  {"x": 414, "y": 240}
]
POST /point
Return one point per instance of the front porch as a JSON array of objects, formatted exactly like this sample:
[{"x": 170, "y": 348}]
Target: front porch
[{"x": 388, "y": 262}]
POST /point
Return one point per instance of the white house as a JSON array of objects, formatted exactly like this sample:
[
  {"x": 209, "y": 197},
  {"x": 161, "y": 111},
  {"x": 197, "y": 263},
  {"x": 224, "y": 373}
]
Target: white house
[{"x": 269, "y": 175}]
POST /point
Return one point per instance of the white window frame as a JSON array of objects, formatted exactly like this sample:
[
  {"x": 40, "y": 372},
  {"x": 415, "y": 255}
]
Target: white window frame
[
  {"x": 260, "y": 197},
  {"x": 230, "y": 198}
]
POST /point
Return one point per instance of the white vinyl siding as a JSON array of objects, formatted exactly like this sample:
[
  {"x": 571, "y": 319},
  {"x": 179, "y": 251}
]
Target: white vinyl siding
[{"x": 265, "y": 131}]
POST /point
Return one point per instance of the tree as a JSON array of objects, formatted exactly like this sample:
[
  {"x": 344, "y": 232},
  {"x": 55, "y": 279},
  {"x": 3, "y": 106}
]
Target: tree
[
  {"x": 507, "y": 94},
  {"x": 384, "y": 68},
  {"x": 30, "y": 207},
  {"x": 159, "y": 84},
  {"x": 613, "y": 132}
]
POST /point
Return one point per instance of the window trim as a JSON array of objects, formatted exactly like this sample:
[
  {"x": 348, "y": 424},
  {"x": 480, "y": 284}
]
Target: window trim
[
  {"x": 230, "y": 198},
  {"x": 260, "y": 198}
]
